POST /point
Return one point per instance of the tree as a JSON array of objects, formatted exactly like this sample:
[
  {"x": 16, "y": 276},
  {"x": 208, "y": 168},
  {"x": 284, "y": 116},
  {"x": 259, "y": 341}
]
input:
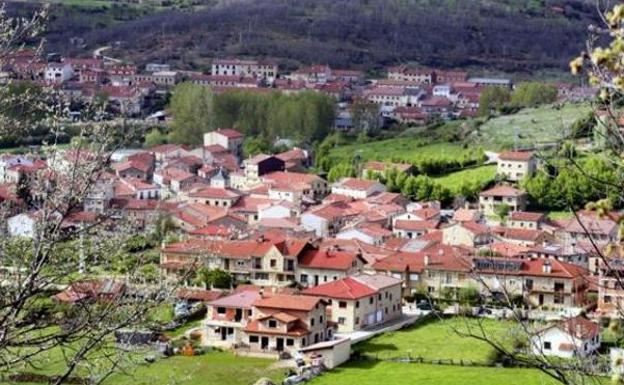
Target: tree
[
  {"x": 154, "y": 138},
  {"x": 594, "y": 183},
  {"x": 366, "y": 118},
  {"x": 192, "y": 108},
  {"x": 533, "y": 94},
  {"x": 502, "y": 211},
  {"x": 257, "y": 145},
  {"x": 493, "y": 98},
  {"x": 63, "y": 249}
]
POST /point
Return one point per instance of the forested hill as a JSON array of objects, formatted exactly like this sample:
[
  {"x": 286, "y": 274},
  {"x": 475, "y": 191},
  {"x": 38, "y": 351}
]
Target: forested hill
[{"x": 511, "y": 35}]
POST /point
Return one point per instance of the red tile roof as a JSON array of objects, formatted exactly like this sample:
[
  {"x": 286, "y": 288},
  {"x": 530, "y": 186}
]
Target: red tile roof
[
  {"x": 288, "y": 302},
  {"x": 518, "y": 156},
  {"x": 526, "y": 216},
  {"x": 328, "y": 259},
  {"x": 230, "y": 133},
  {"x": 345, "y": 288},
  {"x": 415, "y": 225},
  {"x": 504, "y": 191}
]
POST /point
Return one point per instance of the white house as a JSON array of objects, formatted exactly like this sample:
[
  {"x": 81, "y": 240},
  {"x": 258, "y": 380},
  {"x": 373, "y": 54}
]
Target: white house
[
  {"x": 357, "y": 188},
  {"x": 573, "y": 337},
  {"x": 58, "y": 72}
]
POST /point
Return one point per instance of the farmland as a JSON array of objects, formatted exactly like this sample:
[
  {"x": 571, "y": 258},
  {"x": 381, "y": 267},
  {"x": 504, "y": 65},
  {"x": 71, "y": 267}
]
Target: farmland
[
  {"x": 403, "y": 149},
  {"x": 532, "y": 126},
  {"x": 483, "y": 174}
]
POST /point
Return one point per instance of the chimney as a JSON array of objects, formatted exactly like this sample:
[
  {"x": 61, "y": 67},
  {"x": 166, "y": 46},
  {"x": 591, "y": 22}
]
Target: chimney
[
  {"x": 261, "y": 292},
  {"x": 426, "y": 260},
  {"x": 546, "y": 267}
]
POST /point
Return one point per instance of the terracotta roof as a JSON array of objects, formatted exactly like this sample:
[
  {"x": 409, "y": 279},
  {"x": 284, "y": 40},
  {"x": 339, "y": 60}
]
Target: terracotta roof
[
  {"x": 345, "y": 288},
  {"x": 230, "y": 133},
  {"x": 328, "y": 259},
  {"x": 298, "y": 330},
  {"x": 198, "y": 294},
  {"x": 475, "y": 228},
  {"x": 291, "y": 177},
  {"x": 505, "y": 191},
  {"x": 214, "y": 192},
  {"x": 508, "y": 250},
  {"x": 579, "y": 327},
  {"x": 281, "y": 316},
  {"x": 415, "y": 225},
  {"x": 243, "y": 299},
  {"x": 518, "y": 234},
  {"x": 526, "y": 216},
  {"x": 288, "y": 302},
  {"x": 465, "y": 215},
  {"x": 518, "y": 156},
  {"x": 357, "y": 184}
]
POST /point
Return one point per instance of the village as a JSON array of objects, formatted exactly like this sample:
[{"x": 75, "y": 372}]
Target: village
[{"x": 315, "y": 267}]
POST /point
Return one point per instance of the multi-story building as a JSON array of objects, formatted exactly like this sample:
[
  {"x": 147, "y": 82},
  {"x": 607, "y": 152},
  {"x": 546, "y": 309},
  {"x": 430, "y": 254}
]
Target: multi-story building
[
  {"x": 516, "y": 165},
  {"x": 361, "y": 301},
  {"x": 490, "y": 199}
]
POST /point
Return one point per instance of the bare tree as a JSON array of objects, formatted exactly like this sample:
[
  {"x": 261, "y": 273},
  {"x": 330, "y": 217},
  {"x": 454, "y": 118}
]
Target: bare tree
[{"x": 66, "y": 249}]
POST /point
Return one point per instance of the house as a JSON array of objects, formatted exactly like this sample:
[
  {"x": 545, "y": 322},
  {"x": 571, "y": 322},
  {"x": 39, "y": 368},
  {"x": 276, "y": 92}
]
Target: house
[
  {"x": 471, "y": 234},
  {"x": 104, "y": 290},
  {"x": 526, "y": 220},
  {"x": 371, "y": 234},
  {"x": 361, "y": 301},
  {"x": 262, "y": 69},
  {"x": 133, "y": 169},
  {"x": 588, "y": 225},
  {"x": 570, "y": 338},
  {"x": 316, "y": 266},
  {"x": 58, "y": 72},
  {"x": 540, "y": 281},
  {"x": 411, "y": 229},
  {"x": 176, "y": 180},
  {"x": 416, "y": 75},
  {"x": 284, "y": 322},
  {"x": 329, "y": 354},
  {"x": 312, "y": 186},
  {"x": 523, "y": 237},
  {"x": 213, "y": 196},
  {"x": 261, "y": 261},
  {"x": 228, "y": 138},
  {"x": 357, "y": 188},
  {"x": 490, "y": 199},
  {"x": 136, "y": 189},
  {"x": 260, "y": 165},
  {"x": 328, "y": 219},
  {"x": 226, "y": 318},
  {"x": 516, "y": 165},
  {"x": 295, "y": 159}
]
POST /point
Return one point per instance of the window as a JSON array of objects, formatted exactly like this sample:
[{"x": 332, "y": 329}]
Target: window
[
  {"x": 357, "y": 304},
  {"x": 303, "y": 278},
  {"x": 357, "y": 320},
  {"x": 379, "y": 297},
  {"x": 312, "y": 322},
  {"x": 290, "y": 342},
  {"x": 341, "y": 320},
  {"x": 321, "y": 320},
  {"x": 272, "y": 323},
  {"x": 342, "y": 304},
  {"x": 371, "y": 300},
  {"x": 546, "y": 345},
  {"x": 221, "y": 310},
  {"x": 273, "y": 262},
  {"x": 253, "y": 339}
]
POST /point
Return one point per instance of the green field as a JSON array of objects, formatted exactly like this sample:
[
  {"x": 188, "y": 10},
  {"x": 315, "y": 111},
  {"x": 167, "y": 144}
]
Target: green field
[
  {"x": 533, "y": 125},
  {"x": 484, "y": 175},
  {"x": 403, "y": 149},
  {"x": 213, "y": 368},
  {"x": 377, "y": 373},
  {"x": 440, "y": 339},
  {"x": 434, "y": 340}
]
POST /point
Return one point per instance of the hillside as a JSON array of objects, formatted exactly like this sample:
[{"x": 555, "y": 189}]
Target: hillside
[{"x": 507, "y": 35}]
